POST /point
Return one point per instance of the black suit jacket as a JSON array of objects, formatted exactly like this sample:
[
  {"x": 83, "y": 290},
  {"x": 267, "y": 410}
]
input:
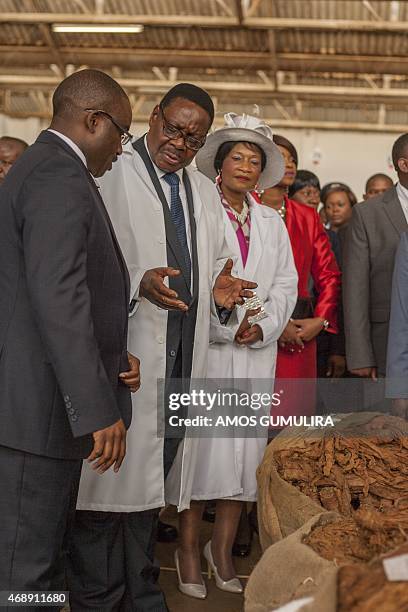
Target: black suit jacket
[{"x": 64, "y": 294}]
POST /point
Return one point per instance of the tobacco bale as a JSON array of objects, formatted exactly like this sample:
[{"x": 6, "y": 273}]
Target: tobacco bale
[
  {"x": 352, "y": 466},
  {"x": 360, "y": 538},
  {"x": 365, "y": 588},
  {"x": 362, "y": 461}
]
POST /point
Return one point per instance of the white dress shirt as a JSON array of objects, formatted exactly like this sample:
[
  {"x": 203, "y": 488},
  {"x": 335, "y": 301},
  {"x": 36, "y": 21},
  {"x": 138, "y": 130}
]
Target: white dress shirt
[
  {"x": 76, "y": 150},
  {"x": 402, "y": 193}
]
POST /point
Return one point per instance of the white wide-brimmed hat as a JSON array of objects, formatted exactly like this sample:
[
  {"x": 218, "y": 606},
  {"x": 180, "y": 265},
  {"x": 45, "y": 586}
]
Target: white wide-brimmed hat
[{"x": 243, "y": 128}]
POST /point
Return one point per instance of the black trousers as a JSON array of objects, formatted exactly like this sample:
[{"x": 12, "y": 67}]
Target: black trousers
[
  {"x": 37, "y": 501},
  {"x": 111, "y": 565}
]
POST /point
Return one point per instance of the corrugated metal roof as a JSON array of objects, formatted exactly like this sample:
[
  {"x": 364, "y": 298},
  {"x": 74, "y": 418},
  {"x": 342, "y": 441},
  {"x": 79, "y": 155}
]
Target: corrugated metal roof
[{"x": 240, "y": 62}]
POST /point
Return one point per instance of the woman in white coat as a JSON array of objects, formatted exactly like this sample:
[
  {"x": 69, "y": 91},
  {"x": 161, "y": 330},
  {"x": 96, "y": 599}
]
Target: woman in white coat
[{"x": 243, "y": 155}]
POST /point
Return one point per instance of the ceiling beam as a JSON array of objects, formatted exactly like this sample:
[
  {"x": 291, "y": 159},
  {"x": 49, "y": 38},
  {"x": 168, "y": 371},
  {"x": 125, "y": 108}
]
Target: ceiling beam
[
  {"x": 273, "y": 57},
  {"x": 236, "y": 91},
  {"x": 273, "y": 122},
  {"x": 240, "y": 12},
  {"x": 52, "y": 47},
  {"x": 21, "y": 55},
  {"x": 356, "y": 25},
  {"x": 205, "y": 21},
  {"x": 111, "y": 19}
]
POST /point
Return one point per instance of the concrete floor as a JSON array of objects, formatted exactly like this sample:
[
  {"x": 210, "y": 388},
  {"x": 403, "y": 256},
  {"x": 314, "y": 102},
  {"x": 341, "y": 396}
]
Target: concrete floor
[{"x": 217, "y": 600}]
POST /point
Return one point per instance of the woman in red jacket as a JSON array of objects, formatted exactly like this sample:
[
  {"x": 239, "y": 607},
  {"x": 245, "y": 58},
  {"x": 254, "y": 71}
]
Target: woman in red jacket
[{"x": 314, "y": 262}]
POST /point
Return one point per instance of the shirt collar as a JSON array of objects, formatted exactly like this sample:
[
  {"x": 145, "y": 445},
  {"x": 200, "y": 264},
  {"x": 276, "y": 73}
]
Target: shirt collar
[
  {"x": 161, "y": 173},
  {"x": 71, "y": 144},
  {"x": 403, "y": 190}
]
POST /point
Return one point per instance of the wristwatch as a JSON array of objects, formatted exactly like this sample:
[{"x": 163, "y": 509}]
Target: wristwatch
[{"x": 326, "y": 324}]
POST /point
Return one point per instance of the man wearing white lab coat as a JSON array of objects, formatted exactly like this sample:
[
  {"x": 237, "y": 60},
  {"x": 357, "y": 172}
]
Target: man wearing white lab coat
[{"x": 170, "y": 335}]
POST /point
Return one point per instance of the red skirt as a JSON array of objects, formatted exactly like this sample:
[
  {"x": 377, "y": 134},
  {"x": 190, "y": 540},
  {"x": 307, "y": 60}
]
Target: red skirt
[{"x": 295, "y": 381}]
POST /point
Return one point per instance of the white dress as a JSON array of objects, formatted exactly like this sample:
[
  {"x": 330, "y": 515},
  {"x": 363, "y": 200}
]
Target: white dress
[{"x": 226, "y": 467}]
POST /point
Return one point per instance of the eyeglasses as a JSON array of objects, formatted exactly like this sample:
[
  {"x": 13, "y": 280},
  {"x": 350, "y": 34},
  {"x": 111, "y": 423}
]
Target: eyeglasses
[
  {"x": 125, "y": 135},
  {"x": 174, "y": 133}
]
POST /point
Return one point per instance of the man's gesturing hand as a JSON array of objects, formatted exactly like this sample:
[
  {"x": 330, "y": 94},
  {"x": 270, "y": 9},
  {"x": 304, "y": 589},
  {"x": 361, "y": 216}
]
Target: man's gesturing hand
[
  {"x": 229, "y": 291},
  {"x": 153, "y": 289},
  {"x": 131, "y": 378},
  {"x": 109, "y": 447}
]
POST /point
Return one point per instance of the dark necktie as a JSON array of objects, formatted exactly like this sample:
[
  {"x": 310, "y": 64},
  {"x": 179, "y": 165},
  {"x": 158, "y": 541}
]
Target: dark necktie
[{"x": 177, "y": 215}]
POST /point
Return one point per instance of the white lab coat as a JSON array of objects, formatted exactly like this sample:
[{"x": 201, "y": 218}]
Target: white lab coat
[
  {"x": 137, "y": 217},
  {"x": 226, "y": 467}
]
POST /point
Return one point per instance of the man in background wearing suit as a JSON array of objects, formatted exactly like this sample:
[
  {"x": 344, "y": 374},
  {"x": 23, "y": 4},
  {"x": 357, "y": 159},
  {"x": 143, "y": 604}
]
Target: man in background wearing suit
[
  {"x": 63, "y": 326},
  {"x": 10, "y": 150},
  {"x": 397, "y": 355},
  {"x": 371, "y": 242}
]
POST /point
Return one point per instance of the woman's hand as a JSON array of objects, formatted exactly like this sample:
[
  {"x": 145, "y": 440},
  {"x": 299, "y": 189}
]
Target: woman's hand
[
  {"x": 290, "y": 335},
  {"x": 248, "y": 334},
  {"x": 309, "y": 328}
]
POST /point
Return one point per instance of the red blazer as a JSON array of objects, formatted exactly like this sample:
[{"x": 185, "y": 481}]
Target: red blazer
[{"x": 314, "y": 258}]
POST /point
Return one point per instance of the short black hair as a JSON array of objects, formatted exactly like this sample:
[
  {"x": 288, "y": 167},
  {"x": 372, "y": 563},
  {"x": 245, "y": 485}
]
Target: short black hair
[
  {"x": 188, "y": 91},
  {"x": 332, "y": 187},
  {"x": 86, "y": 89},
  {"x": 304, "y": 178},
  {"x": 379, "y": 175},
  {"x": 227, "y": 147},
  {"x": 281, "y": 141},
  {"x": 399, "y": 149},
  {"x": 14, "y": 141}
]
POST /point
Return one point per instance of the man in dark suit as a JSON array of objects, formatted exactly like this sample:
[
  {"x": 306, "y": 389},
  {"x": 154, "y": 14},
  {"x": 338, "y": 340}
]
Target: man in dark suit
[
  {"x": 371, "y": 242},
  {"x": 64, "y": 368},
  {"x": 397, "y": 357}
]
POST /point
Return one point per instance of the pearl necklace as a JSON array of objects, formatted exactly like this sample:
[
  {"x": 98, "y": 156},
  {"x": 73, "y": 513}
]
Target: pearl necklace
[
  {"x": 242, "y": 216},
  {"x": 282, "y": 211}
]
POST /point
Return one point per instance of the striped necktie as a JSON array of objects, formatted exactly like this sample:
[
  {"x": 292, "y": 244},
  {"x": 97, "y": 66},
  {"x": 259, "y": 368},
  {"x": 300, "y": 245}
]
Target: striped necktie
[{"x": 177, "y": 215}]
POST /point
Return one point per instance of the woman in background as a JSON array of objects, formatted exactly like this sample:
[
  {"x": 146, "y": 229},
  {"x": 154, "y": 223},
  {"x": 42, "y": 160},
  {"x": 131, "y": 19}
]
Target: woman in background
[
  {"x": 305, "y": 189},
  {"x": 331, "y": 360},
  {"x": 314, "y": 260},
  {"x": 338, "y": 201}
]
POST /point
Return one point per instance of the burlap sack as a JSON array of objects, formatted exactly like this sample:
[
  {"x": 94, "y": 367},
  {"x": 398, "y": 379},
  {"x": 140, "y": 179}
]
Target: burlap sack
[
  {"x": 287, "y": 570},
  {"x": 369, "y": 588},
  {"x": 282, "y": 508}
]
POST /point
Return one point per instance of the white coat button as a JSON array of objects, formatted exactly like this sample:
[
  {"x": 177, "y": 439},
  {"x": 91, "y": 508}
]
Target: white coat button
[
  {"x": 160, "y": 241},
  {"x": 160, "y": 339}
]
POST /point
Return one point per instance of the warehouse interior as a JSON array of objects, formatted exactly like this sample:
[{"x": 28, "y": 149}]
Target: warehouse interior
[{"x": 330, "y": 75}]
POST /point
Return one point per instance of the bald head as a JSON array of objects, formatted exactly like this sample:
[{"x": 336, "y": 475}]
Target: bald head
[
  {"x": 94, "y": 111},
  {"x": 10, "y": 150},
  {"x": 87, "y": 89}
]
